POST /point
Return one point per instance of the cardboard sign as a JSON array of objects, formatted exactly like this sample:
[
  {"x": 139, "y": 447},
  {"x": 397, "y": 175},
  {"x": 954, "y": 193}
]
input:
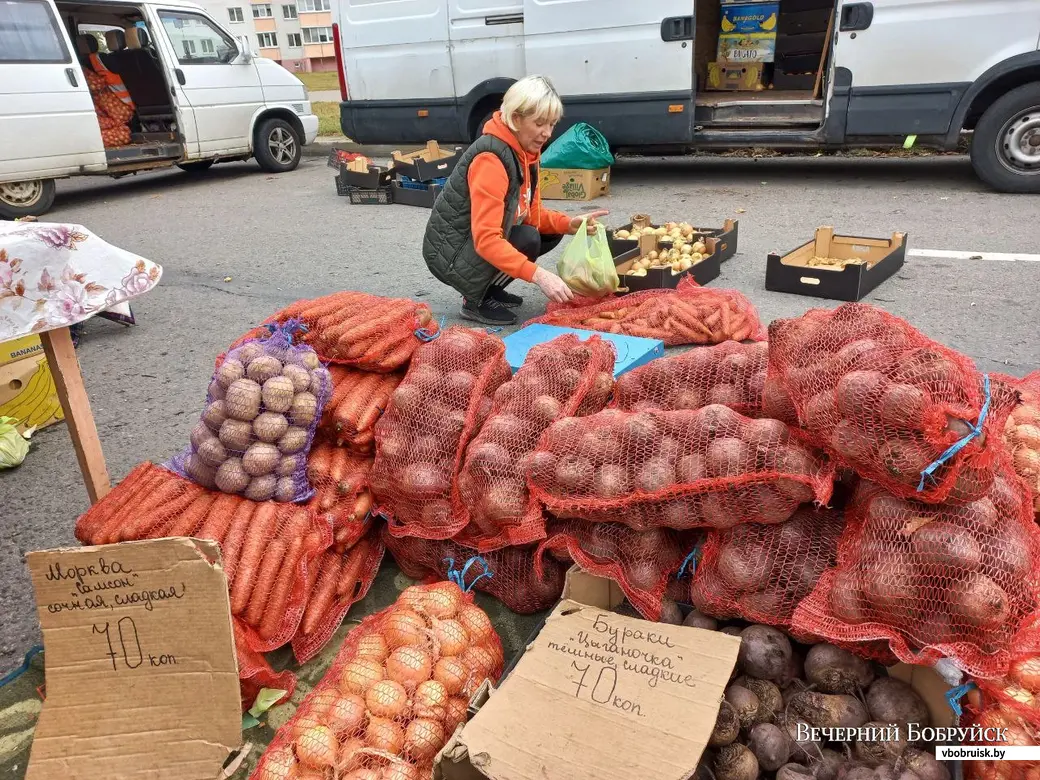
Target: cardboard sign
[
  {"x": 598, "y": 695},
  {"x": 140, "y": 662}
]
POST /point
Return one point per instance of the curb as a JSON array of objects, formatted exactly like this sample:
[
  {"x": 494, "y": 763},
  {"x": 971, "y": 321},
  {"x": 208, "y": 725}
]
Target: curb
[{"x": 322, "y": 146}]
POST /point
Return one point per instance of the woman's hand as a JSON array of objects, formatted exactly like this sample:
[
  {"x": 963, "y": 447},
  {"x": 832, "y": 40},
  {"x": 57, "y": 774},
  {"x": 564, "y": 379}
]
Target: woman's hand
[
  {"x": 591, "y": 217},
  {"x": 554, "y": 287}
]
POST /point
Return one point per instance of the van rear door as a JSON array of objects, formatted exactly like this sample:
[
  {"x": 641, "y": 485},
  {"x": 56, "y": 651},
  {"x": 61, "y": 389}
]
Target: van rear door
[
  {"x": 624, "y": 66},
  {"x": 48, "y": 127}
]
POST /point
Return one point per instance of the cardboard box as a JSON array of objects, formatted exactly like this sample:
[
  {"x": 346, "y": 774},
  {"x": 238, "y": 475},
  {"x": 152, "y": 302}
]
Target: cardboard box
[
  {"x": 631, "y": 351},
  {"x": 573, "y": 183},
  {"x": 423, "y": 196},
  {"x": 725, "y": 249},
  {"x": 27, "y": 391},
  {"x": 703, "y": 272},
  {"x": 597, "y": 695},
  {"x": 20, "y": 348},
  {"x": 361, "y": 173},
  {"x": 747, "y": 47},
  {"x": 735, "y": 76},
  {"x": 750, "y": 18},
  {"x": 792, "y": 272},
  {"x": 428, "y": 163}
]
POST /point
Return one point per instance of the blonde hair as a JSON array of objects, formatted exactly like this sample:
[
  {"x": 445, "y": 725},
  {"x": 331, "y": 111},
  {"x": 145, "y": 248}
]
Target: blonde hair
[{"x": 531, "y": 96}]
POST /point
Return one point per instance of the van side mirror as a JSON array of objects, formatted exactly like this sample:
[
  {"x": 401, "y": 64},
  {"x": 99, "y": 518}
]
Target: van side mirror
[{"x": 245, "y": 51}]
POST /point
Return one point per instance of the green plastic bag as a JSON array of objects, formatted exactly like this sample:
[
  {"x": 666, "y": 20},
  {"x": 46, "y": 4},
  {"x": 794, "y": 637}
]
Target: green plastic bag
[
  {"x": 587, "y": 265},
  {"x": 582, "y": 146}
]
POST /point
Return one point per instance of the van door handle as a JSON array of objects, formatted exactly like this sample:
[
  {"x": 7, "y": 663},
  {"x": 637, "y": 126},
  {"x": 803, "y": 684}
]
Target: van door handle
[
  {"x": 677, "y": 28},
  {"x": 180, "y": 76},
  {"x": 70, "y": 74},
  {"x": 856, "y": 16},
  {"x": 491, "y": 21}
]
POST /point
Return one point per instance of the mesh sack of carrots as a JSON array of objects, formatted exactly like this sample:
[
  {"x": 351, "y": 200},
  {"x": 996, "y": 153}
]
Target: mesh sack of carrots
[
  {"x": 711, "y": 467},
  {"x": 255, "y": 673},
  {"x": 358, "y": 399},
  {"x": 640, "y": 562},
  {"x": 395, "y": 693},
  {"x": 433, "y": 414},
  {"x": 936, "y": 582},
  {"x": 513, "y": 575},
  {"x": 262, "y": 409},
  {"x": 561, "y": 378},
  {"x": 369, "y": 332},
  {"x": 899, "y": 408},
  {"x": 689, "y": 314},
  {"x": 336, "y": 581},
  {"x": 761, "y": 572},
  {"x": 730, "y": 373},
  {"x": 342, "y": 494},
  {"x": 1022, "y": 433}
]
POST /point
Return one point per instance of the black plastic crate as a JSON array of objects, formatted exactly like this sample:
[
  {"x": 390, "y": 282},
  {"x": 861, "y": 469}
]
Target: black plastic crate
[
  {"x": 382, "y": 196},
  {"x": 784, "y": 80},
  {"x": 339, "y": 156}
]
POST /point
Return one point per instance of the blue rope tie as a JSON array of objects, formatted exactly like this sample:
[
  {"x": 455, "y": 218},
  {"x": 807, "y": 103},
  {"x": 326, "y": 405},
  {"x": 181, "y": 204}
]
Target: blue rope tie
[
  {"x": 14, "y": 674},
  {"x": 459, "y": 576},
  {"x": 953, "y": 449},
  {"x": 424, "y": 335},
  {"x": 954, "y": 696},
  {"x": 287, "y": 329},
  {"x": 690, "y": 560}
]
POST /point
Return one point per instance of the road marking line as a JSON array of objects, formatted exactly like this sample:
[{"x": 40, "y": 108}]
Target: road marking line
[{"x": 951, "y": 254}]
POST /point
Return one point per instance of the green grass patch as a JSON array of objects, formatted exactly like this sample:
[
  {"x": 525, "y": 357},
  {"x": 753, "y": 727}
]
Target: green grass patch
[
  {"x": 322, "y": 80},
  {"x": 328, "y": 118}
]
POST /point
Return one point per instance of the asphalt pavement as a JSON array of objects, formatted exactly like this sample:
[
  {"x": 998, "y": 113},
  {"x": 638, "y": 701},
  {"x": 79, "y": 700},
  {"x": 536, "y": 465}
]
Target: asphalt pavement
[{"x": 236, "y": 244}]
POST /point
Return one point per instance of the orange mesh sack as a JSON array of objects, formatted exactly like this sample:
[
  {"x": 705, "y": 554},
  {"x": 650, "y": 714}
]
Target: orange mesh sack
[
  {"x": 516, "y": 576},
  {"x": 433, "y": 414},
  {"x": 1022, "y": 434},
  {"x": 342, "y": 495},
  {"x": 687, "y": 469},
  {"x": 358, "y": 399},
  {"x": 730, "y": 374},
  {"x": 255, "y": 673},
  {"x": 900, "y": 409},
  {"x": 760, "y": 573},
  {"x": 356, "y": 329},
  {"x": 641, "y": 562},
  {"x": 561, "y": 378},
  {"x": 689, "y": 314},
  {"x": 395, "y": 693},
  {"x": 934, "y": 581}
]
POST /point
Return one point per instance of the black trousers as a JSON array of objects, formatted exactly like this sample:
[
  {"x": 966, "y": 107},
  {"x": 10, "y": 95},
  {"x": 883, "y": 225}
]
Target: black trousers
[{"x": 533, "y": 244}]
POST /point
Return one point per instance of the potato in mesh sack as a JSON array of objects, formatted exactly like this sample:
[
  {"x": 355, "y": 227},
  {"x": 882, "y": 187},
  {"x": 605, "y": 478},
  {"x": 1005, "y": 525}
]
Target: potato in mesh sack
[{"x": 900, "y": 409}]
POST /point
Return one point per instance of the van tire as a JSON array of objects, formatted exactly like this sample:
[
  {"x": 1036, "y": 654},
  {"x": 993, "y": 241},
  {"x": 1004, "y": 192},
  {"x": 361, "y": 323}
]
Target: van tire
[
  {"x": 197, "y": 166},
  {"x": 26, "y": 198},
  {"x": 278, "y": 147},
  {"x": 996, "y": 154}
]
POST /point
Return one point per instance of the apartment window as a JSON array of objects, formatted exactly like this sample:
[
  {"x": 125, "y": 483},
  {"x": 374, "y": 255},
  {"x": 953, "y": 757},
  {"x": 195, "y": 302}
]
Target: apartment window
[
  {"x": 235, "y": 14},
  {"x": 308, "y": 6},
  {"x": 262, "y": 11},
  {"x": 206, "y": 46},
  {"x": 317, "y": 35},
  {"x": 294, "y": 41},
  {"x": 288, "y": 11},
  {"x": 268, "y": 40},
  {"x": 189, "y": 48}
]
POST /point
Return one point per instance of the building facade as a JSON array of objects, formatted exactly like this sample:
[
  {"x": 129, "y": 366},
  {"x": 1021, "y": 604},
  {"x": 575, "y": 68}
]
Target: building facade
[{"x": 295, "y": 33}]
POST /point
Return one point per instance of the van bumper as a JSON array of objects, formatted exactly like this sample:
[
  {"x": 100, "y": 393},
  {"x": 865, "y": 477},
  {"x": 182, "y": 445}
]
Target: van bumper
[{"x": 310, "y": 128}]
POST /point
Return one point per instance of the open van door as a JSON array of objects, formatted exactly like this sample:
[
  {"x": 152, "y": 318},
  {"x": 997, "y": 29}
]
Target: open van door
[
  {"x": 48, "y": 127},
  {"x": 623, "y": 66}
]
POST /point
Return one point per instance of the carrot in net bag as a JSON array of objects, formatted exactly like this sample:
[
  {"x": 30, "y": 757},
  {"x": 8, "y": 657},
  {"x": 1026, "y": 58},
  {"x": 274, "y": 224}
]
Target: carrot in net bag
[
  {"x": 397, "y": 690},
  {"x": 935, "y": 582},
  {"x": 342, "y": 493},
  {"x": 1022, "y": 433},
  {"x": 255, "y": 673},
  {"x": 730, "y": 373},
  {"x": 689, "y": 314},
  {"x": 357, "y": 401},
  {"x": 361, "y": 330},
  {"x": 760, "y": 573},
  {"x": 262, "y": 409},
  {"x": 899, "y": 408},
  {"x": 421, "y": 439},
  {"x": 516, "y": 576},
  {"x": 711, "y": 467},
  {"x": 561, "y": 378}
]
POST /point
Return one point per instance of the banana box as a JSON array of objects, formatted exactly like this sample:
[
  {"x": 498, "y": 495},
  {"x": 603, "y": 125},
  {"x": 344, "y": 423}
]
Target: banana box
[
  {"x": 20, "y": 348},
  {"x": 27, "y": 392},
  {"x": 747, "y": 32}
]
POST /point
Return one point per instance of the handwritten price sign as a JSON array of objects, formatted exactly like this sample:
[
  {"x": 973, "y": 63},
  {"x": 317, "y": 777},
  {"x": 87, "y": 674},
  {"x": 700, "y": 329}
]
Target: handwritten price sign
[{"x": 140, "y": 631}]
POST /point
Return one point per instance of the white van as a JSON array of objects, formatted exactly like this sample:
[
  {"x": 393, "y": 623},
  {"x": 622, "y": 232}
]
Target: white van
[
  {"x": 200, "y": 96},
  {"x": 843, "y": 73}
]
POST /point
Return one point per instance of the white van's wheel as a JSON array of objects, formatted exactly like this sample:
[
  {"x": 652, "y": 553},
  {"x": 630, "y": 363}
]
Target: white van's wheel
[
  {"x": 1005, "y": 149},
  {"x": 26, "y": 198},
  {"x": 278, "y": 146}
]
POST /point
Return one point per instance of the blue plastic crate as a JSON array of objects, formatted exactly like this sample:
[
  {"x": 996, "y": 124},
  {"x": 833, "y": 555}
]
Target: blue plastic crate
[
  {"x": 631, "y": 351},
  {"x": 412, "y": 184}
]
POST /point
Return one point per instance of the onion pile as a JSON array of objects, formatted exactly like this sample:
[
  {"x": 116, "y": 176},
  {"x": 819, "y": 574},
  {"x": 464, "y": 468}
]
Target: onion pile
[
  {"x": 395, "y": 694},
  {"x": 1022, "y": 435}
]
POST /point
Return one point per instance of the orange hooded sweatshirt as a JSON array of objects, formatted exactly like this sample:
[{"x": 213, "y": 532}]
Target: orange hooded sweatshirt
[{"x": 488, "y": 186}]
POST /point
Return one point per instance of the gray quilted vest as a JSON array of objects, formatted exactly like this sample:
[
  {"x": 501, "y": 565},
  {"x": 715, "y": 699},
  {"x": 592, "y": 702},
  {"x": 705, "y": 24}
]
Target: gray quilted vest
[{"x": 448, "y": 245}]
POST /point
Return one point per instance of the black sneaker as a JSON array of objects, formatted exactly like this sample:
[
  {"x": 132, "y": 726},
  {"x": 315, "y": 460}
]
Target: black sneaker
[
  {"x": 490, "y": 312},
  {"x": 507, "y": 299}
]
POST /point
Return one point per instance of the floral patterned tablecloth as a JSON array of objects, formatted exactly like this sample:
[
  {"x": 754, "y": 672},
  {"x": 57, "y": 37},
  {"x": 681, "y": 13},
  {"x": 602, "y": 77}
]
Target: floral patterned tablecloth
[{"x": 55, "y": 275}]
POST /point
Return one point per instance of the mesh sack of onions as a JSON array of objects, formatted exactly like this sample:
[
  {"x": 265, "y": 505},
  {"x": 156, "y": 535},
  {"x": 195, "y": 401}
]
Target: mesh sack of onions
[
  {"x": 357, "y": 401},
  {"x": 761, "y": 572},
  {"x": 369, "y": 332},
  {"x": 433, "y": 414},
  {"x": 395, "y": 693},
  {"x": 640, "y": 562},
  {"x": 934, "y": 581},
  {"x": 900, "y": 409},
  {"x": 262, "y": 409},
  {"x": 730, "y": 373},
  {"x": 1022, "y": 433},
  {"x": 1002, "y": 726},
  {"x": 711, "y": 468},
  {"x": 562, "y": 378},
  {"x": 513, "y": 575},
  {"x": 255, "y": 673}
]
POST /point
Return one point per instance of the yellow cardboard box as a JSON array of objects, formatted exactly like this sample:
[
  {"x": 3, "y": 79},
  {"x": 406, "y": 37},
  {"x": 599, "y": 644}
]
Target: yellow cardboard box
[
  {"x": 20, "y": 348},
  {"x": 27, "y": 391},
  {"x": 574, "y": 183}
]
